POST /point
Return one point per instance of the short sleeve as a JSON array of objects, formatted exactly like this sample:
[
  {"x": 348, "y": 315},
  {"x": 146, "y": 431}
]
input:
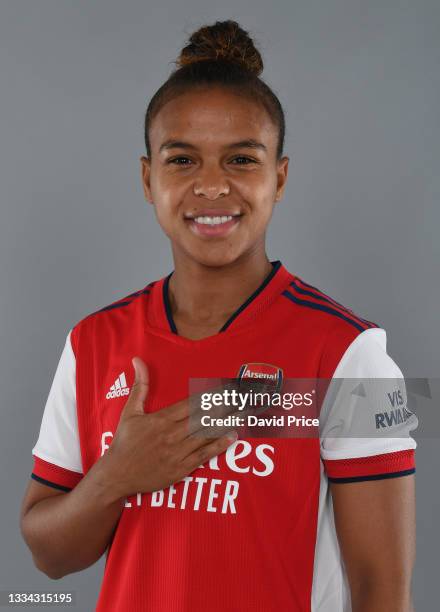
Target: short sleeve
[
  {"x": 56, "y": 454},
  {"x": 365, "y": 424}
]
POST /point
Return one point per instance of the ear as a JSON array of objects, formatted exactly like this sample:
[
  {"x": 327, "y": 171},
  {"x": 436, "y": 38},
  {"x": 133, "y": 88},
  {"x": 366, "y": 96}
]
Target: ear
[
  {"x": 282, "y": 171},
  {"x": 145, "y": 177}
]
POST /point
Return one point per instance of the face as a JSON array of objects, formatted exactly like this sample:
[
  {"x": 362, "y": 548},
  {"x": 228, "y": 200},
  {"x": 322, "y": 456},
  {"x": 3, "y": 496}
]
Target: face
[{"x": 213, "y": 176}]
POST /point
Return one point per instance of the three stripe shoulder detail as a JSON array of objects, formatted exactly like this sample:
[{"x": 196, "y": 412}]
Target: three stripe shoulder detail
[
  {"x": 303, "y": 294},
  {"x": 125, "y": 301}
]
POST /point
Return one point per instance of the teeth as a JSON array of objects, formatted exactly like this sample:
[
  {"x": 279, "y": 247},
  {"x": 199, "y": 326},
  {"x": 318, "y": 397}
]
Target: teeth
[{"x": 212, "y": 220}]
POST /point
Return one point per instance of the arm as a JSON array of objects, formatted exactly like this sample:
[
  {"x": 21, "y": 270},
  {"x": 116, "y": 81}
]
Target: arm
[
  {"x": 375, "y": 525},
  {"x": 68, "y": 532},
  {"x": 69, "y": 524},
  {"x": 370, "y": 470}
]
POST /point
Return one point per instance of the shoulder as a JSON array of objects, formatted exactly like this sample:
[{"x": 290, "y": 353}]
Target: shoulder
[
  {"x": 125, "y": 309},
  {"x": 324, "y": 308},
  {"x": 337, "y": 325}
]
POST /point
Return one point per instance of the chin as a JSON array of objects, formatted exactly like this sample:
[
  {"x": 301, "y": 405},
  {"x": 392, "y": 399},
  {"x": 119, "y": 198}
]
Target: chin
[{"x": 215, "y": 260}]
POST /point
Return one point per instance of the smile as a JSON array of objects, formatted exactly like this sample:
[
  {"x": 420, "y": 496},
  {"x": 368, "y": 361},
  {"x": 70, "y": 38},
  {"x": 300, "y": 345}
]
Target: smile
[
  {"x": 212, "y": 220},
  {"x": 213, "y": 226}
]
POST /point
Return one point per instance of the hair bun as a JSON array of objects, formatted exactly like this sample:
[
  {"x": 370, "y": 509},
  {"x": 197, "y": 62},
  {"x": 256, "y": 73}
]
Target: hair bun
[{"x": 224, "y": 40}]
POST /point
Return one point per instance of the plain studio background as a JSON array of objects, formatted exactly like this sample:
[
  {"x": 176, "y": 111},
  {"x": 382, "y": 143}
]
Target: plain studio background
[{"x": 359, "y": 82}]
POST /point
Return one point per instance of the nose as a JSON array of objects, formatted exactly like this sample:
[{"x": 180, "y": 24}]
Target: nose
[{"x": 211, "y": 184}]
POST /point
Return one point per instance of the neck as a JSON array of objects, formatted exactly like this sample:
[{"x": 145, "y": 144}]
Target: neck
[{"x": 208, "y": 294}]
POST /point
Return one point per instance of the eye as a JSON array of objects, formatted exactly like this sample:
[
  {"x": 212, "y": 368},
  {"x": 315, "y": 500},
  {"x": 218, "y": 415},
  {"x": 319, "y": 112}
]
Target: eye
[
  {"x": 175, "y": 159},
  {"x": 248, "y": 160}
]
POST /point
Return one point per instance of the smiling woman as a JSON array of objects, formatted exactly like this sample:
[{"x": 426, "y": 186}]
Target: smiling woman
[
  {"x": 215, "y": 170},
  {"x": 214, "y": 135},
  {"x": 192, "y": 524}
]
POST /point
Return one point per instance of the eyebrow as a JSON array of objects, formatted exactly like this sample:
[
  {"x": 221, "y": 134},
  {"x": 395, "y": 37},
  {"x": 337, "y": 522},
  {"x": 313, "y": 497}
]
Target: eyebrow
[{"x": 249, "y": 143}]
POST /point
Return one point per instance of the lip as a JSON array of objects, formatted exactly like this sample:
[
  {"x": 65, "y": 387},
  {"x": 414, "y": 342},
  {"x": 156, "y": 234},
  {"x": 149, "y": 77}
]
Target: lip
[
  {"x": 213, "y": 212},
  {"x": 223, "y": 229}
]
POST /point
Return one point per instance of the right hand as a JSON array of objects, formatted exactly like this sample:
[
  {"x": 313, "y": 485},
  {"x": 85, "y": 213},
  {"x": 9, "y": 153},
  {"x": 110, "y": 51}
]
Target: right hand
[{"x": 151, "y": 451}]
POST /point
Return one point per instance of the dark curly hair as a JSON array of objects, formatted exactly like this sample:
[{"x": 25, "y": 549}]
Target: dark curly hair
[{"x": 220, "y": 54}]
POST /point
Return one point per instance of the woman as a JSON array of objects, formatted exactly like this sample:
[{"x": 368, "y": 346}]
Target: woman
[{"x": 192, "y": 523}]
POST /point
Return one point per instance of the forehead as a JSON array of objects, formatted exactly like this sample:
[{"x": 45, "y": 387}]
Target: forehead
[{"x": 212, "y": 117}]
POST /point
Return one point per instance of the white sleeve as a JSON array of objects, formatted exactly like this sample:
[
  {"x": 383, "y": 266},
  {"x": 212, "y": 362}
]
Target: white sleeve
[
  {"x": 58, "y": 441},
  {"x": 365, "y": 413}
]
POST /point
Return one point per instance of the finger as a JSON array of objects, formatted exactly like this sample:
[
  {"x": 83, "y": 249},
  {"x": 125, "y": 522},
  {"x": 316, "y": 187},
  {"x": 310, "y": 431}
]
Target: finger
[
  {"x": 193, "y": 426},
  {"x": 189, "y": 405},
  {"x": 176, "y": 412},
  {"x": 198, "y": 439},
  {"x": 139, "y": 389},
  {"x": 203, "y": 453}
]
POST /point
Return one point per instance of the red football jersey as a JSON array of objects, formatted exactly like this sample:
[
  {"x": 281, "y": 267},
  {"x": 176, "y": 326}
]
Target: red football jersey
[{"x": 252, "y": 529}]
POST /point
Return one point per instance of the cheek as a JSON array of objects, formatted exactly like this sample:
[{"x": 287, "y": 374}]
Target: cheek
[
  {"x": 168, "y": 195},
  {"x": 163, "y": 205},
  {"x": 163, "y": 197},
  {"x": 261, "y": 196},
  {"x": 259, "y": 188}
]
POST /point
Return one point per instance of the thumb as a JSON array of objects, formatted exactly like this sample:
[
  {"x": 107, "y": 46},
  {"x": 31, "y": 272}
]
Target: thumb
[{"x": 139, "y": 389}]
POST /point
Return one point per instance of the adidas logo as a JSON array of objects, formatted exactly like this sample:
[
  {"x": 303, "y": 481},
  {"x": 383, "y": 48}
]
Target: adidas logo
[{"x": 119, "y": 387}]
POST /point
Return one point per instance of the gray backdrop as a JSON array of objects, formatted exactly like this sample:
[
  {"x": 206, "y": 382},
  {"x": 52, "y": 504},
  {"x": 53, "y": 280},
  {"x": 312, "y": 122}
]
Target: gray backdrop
[{"x": 360, "y": 85}]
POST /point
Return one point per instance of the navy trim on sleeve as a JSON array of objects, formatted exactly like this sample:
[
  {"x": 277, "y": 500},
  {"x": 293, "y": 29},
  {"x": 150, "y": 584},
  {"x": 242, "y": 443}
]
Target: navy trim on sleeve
[
  {"x": 49, "y": 484},
  {"x": 373, "y": 476}
]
